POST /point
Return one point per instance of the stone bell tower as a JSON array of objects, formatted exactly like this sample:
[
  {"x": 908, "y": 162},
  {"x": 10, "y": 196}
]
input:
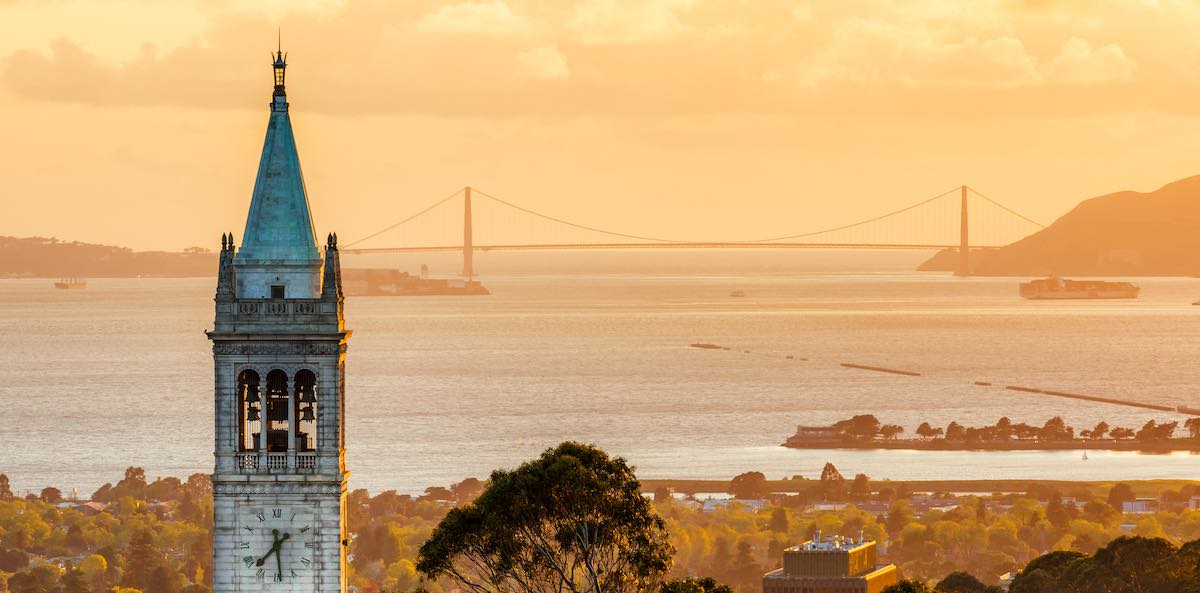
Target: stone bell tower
[{"x": 279, "y": 351}]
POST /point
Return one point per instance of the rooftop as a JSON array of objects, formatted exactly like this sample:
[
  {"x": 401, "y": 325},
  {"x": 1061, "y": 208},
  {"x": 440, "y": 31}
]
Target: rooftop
[{"x": 833, "y": 543}]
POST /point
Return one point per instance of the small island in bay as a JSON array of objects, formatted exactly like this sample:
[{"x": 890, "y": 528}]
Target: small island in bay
[{"x": 865, "y": 431}]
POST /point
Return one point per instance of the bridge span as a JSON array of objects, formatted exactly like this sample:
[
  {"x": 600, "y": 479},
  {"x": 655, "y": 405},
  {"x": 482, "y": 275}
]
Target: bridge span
[
  {"x": 829, "y": 238},
  {"x": 679, "y": 245}
]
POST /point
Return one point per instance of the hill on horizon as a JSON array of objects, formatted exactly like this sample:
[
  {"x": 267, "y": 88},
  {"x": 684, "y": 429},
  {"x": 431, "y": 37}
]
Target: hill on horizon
[
  {"x": 1126, "y": 233},
  {"x": 49, "y": 258}
]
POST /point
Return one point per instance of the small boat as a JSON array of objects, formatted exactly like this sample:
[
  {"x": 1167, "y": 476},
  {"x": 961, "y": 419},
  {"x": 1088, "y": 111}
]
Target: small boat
[
  {"x": 737, "y": 294},
  {"x": 1196, "y": 303},
  {"x": 70, "y": 283},
  {"x": 706, "y": 346}
]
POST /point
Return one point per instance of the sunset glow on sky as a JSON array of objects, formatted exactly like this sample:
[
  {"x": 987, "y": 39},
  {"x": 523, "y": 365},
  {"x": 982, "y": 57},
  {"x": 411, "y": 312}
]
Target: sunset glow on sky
[{"x": 140, "y": 123}]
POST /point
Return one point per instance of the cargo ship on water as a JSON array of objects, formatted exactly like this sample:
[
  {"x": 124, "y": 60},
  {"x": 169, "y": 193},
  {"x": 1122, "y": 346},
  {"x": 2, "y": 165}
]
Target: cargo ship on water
[
  {"x": 1055, "y": 288},
  {"x": 388, "y": 282},
  {"x": 70, "y": 284}
]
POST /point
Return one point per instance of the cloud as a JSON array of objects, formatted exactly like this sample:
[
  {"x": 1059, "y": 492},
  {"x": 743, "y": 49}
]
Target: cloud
[
  {"x": 1080, "y": 63},
  {"x": 882, "y": 53},
  {"x": 629, "y": 21},
  {"x": 492, "y": 17},
  {"x": 802, "y": 14},
  {"x": 639, "y": 57},
  {"x": 543, "y": 63}
]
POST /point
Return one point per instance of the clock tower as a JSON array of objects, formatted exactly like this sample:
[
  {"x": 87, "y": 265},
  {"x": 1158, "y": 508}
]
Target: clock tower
[{"x": 279, "y": 351}]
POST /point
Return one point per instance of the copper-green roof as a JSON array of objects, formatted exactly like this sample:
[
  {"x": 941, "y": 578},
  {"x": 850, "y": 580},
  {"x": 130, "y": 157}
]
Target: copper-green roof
[{"x": 279, "y": 228}]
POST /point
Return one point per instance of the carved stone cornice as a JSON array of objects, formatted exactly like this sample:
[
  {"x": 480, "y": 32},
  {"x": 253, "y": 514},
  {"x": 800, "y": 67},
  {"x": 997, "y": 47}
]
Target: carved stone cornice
[
  {"x": 279, "y": 348},
  {"x": 248, "y": 488}
]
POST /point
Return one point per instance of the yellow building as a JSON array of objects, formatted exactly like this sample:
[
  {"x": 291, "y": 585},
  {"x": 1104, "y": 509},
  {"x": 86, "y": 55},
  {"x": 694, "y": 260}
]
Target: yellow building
[{"x": 831, "y": 565}]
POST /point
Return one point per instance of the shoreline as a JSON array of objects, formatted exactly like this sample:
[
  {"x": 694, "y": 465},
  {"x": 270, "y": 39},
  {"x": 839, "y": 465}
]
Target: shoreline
[
  {"x": 686, "y": 486},
  {"x": 1169, "y": 446}
]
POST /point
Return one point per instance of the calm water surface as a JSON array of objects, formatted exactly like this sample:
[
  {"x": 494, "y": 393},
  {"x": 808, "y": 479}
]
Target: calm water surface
[{"x": 596, "y": 349}]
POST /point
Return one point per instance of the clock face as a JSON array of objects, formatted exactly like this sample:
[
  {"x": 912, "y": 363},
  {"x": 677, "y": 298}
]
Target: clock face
[{"x": 275, "y": 544}]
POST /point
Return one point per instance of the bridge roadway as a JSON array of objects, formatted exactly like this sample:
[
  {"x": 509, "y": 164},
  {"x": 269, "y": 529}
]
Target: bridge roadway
[{"x": 679, "y": 245}]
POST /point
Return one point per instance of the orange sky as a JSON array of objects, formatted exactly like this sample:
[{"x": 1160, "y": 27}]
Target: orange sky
[{"x": 139, "y": 122}]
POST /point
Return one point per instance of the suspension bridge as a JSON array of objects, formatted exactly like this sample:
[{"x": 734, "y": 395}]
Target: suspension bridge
[{"x": 936, "y": 223}]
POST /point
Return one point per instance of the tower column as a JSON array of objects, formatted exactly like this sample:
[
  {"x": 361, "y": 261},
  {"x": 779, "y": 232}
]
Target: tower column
[
  {"x": 468, "y": 239},
  {"x": 264, "y": 420},
  {"x": 291, "y": 409},
  {"x": 964, "y": 250}
]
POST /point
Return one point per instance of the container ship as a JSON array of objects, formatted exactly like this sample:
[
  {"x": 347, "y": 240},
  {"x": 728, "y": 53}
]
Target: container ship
[
  {"x": 385, "y": 282},
  {"x": 1060, "y": 288},
  {"x": 70, "y": 284}
]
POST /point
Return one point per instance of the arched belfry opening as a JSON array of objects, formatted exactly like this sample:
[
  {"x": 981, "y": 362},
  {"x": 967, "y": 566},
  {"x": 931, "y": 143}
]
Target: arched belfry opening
[
  {"x": 277, "y": 411},
  {"x": 249, "y": 410},
  {"x": 306, "y": 410}
]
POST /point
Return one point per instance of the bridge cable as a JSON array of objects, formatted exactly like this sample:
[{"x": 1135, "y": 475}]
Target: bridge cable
[
  {"x": 852, "y": 225},
  {"x": 578, "y": 226},
  {"x": 1007, "y": 209},
  {"x": 409, "y": 219}
]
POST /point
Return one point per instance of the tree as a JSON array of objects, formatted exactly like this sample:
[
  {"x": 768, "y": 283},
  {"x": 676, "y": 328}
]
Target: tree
[
  {"x": 467, "y": 490},
  {"x": 1153, "y": 431},
  {"x": 39, "y": 579},
  {"x": 890, "y": 431},
  {"x": 1193, "y": 427},
  {"x": 830, "y": 473},
  {"x": 1121, "y": 433},
  {"x": 143, "y": 559},
  {"x": 963, "y": 582},
  {"x": 1056, "y": 429},
  {"x": 749, "y": 486},
  {"x": 162, "y": 580},
  {"x": 955, "y": 431},
  {"x": 907, "y": 586},
  {"x": 833, "y": 485},
  {"x": 1100, "y": 430},
  {"x": 5, "y": 489},
  {"x": 860, "y": 489},
  {"x": 13, "y": 560},
  {"x": 1058, "y": 514},
  {"x": 1119, "y": 494},
  {"x": 134, "y": 484},
  {"x": 926, "y": 431},
  {"x": 779, "y": 520},
  {"x": 51, "y": 495},
  {"x": 899, "y": 515},
  {"x": 1042, "y": 573},
  {"x": 572, "y": 520},
  {"x": 862, "y": 427},
  {"x": 73, "y": 581},
  {"x": 694, "y": 585},
  {"x": 1098, "y": 511}
]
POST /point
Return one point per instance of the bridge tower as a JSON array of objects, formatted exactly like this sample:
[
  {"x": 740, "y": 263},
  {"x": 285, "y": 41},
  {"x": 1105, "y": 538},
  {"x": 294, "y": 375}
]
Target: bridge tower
[
  {"x": 964, "y": 251},
  {"x": 468, "y": 239}
]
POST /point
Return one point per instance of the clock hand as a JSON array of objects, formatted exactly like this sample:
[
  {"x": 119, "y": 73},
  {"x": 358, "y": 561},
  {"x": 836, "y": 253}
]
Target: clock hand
[
  {"x": 274, "y": 547},
  {"x": 278, "y": 558}
]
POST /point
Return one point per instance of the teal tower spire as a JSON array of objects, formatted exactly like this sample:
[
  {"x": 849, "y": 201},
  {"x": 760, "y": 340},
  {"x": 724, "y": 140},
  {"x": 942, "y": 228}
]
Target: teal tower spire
[{"x": 279, "y": 244}]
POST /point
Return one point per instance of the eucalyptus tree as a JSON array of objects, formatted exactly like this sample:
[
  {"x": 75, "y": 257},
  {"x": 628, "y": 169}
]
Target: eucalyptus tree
[{"x": 571, "y": 521}]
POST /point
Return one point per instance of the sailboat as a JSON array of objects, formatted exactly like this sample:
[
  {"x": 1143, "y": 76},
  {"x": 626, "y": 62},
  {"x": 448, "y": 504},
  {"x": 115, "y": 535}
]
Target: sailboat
[{"x": 1085, "y": 451}]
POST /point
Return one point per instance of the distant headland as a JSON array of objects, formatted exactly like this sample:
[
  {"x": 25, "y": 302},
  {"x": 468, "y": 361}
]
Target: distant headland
[
  {"x": 41, "y": 257},
  {"x": 1126, "y": 233}
]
